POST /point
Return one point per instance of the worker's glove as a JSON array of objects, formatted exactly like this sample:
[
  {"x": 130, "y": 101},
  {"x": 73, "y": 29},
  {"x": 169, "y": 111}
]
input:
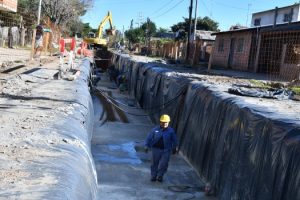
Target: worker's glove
[
  {"x": 175, "y": 150},
  {"x": 146, "y": 149}
]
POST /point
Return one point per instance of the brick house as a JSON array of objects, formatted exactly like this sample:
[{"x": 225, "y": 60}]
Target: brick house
[
  {"x": 232, "y": 49},
  {"x": 271, "y": 45},
  {"x": 9, "y": 5},
  {"x": 205, "y": 41},
  {"x": 272, "y": 50}
]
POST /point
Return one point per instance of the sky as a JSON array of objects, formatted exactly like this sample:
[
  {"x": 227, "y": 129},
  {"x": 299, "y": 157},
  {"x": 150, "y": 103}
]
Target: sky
[{"x": 165, "y": 13}]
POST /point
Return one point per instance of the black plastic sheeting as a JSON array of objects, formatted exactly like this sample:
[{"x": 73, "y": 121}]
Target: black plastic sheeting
[
  {"x": 77, "y": 173},
  {"x": 272, "y": 93},
  {"x": 73, "y": 170},
  {"x": 244, "y": 151}
]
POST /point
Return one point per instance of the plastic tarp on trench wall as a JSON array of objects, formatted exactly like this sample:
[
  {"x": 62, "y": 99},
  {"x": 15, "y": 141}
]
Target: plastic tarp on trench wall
[
  {"x": 65, "y": 169},
  {"x": 244, "y": 151}
]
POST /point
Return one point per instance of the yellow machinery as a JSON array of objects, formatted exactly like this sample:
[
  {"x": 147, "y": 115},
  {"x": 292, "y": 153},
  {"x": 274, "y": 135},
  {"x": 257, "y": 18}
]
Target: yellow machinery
[{"x": 99, "y": 41}]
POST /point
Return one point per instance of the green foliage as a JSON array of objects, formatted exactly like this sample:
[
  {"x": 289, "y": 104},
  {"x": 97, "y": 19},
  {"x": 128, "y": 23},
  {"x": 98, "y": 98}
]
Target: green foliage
[
  {"x": 86, "y": 29},
  {"x": 296, "y": 89},
  {"x": 263, "y": 85},
  {"x": 149, "y": 28},
  {"x": 134, "y": 35},
  {"x": 205, "y": 23},
  {"x": 162, "y": 30},
  {"x": 137, "y": 35},
  {"x": 28, "y": 7},
  {"x": 161, "y": 42}
]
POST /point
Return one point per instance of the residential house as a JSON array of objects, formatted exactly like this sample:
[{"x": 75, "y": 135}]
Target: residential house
[
  {"x": 204, "y": 42},
  {"x": 281, "y": 15},
  {"x": 232, "y": 49},
  {"x": 9, "y": 5},
  {"x": 271, "y": 49}
]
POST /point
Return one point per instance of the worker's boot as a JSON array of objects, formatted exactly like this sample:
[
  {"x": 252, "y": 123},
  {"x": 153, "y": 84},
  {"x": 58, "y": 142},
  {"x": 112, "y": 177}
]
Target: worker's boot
[
  {"x": 160, "y": 179},
  {"x": 153, "y": 178}
]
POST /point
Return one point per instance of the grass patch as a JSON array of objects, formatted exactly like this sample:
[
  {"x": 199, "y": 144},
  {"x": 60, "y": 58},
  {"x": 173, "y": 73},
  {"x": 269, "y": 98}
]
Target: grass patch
[
  {"x": 259, "y": 84},
  {"x": 295, "y": 89}
]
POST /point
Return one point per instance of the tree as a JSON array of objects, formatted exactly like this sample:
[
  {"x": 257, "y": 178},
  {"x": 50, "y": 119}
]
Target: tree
[
  {"x": 28, "y": 8},
  {"x": 149, "y": 28},
  {"x": 162, "y": 30},
  {"x": 77, "y": 26},
  {"x": 134, "y": 35},
  {"x": 64, "y": 13},
  {"x": 205, "y": 23},
  {"x": 60, "y": 12}
]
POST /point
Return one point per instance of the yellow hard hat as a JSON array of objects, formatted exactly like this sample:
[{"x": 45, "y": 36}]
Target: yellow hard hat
[{"x": 165, "y": 118}]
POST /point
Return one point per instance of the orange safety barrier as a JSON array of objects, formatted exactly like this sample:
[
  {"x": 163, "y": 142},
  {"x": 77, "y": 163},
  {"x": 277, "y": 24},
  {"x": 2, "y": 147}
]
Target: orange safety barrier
[
  {"x": 84, "y": 51},
  {"x": 63, "y": 42}
]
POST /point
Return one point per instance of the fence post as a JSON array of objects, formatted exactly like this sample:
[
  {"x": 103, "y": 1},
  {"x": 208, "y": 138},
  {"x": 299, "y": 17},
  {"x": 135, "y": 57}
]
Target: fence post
[
  {"x": 32, "y": 44},
  {"x": 176, "y": 51},
  {"x": 257, "y": 54},
  {"x": 210, "y": 58}
]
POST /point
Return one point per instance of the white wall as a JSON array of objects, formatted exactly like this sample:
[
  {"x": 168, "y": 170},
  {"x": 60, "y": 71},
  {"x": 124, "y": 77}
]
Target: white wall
[{"x": 267, "y": 18}]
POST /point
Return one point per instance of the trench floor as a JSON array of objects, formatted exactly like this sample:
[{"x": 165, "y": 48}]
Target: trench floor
[{"x": 123, "y": 169}]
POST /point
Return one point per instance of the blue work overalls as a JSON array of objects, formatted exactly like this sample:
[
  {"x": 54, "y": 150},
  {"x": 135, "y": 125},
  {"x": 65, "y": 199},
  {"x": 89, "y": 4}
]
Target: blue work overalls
[{"x": 161, "y": 157}]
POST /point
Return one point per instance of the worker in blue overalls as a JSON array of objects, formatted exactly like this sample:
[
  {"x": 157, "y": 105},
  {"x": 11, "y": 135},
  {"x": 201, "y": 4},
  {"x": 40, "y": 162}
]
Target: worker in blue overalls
[{"x": 163, "y": 141}]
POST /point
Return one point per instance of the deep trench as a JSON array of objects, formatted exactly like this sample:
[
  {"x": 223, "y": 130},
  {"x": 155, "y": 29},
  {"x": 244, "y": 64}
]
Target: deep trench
[{"x": 123, "y": 168}]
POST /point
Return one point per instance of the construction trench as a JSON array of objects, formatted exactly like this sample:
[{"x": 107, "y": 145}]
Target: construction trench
[{"x": 84, "y": 139}]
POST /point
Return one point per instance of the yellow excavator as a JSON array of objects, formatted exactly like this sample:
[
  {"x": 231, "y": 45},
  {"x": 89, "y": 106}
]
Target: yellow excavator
[{"x": 98, "y": 40}]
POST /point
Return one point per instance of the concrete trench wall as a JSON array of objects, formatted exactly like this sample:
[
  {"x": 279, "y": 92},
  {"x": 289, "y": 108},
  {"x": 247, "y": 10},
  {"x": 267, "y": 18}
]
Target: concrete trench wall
[{"x": 244, "y": 151}]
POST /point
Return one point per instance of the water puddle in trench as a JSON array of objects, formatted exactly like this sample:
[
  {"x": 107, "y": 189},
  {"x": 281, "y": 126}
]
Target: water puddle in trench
[{"x": 122, "y": 154}]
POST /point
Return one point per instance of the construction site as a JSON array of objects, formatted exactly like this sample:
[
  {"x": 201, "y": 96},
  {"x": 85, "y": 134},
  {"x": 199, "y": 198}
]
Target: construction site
[{"x": 106, "y": 112}]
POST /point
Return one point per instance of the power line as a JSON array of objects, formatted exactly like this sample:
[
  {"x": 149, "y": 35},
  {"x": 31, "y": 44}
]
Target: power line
[
  {"x": 230, "y": 6},
  {"x": 161, "y": 7},
  {"x": 203, "y": 2},
  {"x": 124, "y": 2},
  {"x": 169, "y": 9}
]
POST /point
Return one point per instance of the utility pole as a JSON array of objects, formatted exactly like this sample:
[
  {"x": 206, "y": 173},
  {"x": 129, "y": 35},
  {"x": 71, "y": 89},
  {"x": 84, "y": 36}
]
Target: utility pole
[
  {"x": 195, "y": 24},
  {"x": 131, "y": 24},
  {"x": 190, "y": 30},
  {"x": 249, "y": 5},
  {"x": 34, "y": 30},
  {"x": 39, "y": 12},
  {"x": 148, "y": 37}
]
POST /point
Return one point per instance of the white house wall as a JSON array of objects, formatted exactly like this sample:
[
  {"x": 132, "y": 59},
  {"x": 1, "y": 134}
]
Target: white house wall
[{"x": 267, "y": 18}]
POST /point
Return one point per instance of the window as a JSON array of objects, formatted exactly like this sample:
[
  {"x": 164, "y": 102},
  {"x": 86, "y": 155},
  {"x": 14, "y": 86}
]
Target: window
[
  {"x": 240, "y": 45},
  {"x": 287, "y": 17},
  {"x": 221, "y": 45},
  {"x": 292, "y": 54},
  {"x": 257, "y": 22}
]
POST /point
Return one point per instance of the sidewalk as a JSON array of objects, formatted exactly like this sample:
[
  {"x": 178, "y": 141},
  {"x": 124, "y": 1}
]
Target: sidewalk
[{"x": 123, "y": 168}]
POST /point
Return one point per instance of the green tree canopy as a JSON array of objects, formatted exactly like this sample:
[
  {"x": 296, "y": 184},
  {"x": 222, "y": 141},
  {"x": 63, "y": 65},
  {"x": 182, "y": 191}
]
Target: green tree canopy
[
  {"x": 137, "y": 35},
  {"x": 205, "y": 23},
  {"x": 149, "y": 28},
  {"x": 134, "y": 35},
  {"x": 162, "y": 30}
]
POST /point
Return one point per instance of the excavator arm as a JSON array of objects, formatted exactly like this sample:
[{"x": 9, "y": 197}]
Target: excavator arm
[
  {"x": 108, "y": 18},
  {"x": 99, "y": 40}
]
